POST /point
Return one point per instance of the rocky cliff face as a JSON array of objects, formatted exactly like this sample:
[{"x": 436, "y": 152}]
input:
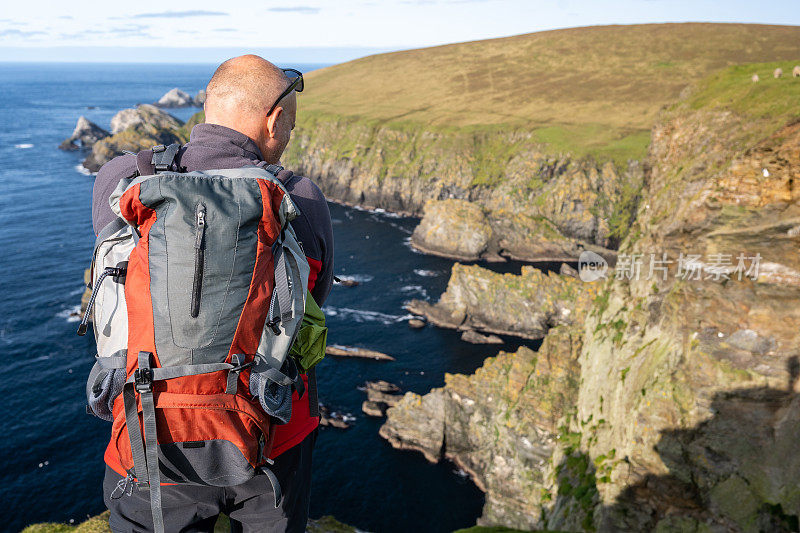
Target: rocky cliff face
[
  {"x": 537, "y": 206},
  {"x": 525, "y": 305},
  {"x": 678, "y": 404}
]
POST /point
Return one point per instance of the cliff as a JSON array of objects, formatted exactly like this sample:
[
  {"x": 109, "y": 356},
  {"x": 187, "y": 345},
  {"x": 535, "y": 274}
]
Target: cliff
[
  {"x": 552, "y": 151},
  {"x": 674, "y": 405},
  {"x": 532, "y": 205}
]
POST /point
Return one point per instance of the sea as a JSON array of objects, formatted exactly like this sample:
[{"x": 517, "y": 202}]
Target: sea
[{"x": 51, "y": 468}]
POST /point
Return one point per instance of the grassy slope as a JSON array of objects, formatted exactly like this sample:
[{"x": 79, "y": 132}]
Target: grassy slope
[{"x": 588, "y": 91}]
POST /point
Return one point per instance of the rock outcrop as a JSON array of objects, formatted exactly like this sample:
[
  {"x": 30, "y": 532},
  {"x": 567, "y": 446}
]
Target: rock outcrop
[
  {"x": 537, "y": 206},
  {"x": 453, "y": 228},
  {"x": 474, "y": 337},
  {"x": 200, "y": 98},
  {"x": 84, "y": 136},
  {"x": 380, "y": 396},
  {"x": 143, "y": 114},
  {"x": 336, "y": 350},
  {"x": 500, "y": 425},
  {"x": 137, "y": 129},
  {"x": 525, "y": 305},
  {"x": 676, "y": 406},
  {"x": 176, "y": 98}
]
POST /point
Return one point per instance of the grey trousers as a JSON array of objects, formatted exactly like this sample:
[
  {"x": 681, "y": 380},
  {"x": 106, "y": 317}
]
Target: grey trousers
[{"x": 250, "y": 506}]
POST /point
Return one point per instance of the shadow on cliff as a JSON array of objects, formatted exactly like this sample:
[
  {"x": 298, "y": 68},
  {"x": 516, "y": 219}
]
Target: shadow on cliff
[{"x": 737, "y": 471}]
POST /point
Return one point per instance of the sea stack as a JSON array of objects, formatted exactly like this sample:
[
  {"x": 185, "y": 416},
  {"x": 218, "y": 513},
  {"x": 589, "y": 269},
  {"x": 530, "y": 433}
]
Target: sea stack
[
  {"x": 176, "y": 98},
  {"x": 86, "y": 133}
]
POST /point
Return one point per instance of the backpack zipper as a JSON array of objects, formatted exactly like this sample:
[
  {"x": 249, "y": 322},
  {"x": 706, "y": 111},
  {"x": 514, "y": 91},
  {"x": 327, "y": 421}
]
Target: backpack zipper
[{"x": 199, "y": 246}]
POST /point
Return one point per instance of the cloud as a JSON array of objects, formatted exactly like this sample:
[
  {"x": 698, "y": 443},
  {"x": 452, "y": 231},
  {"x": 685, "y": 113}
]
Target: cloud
[
  {"x": 180, "y": 14},
  {"x": 19, "y": 33},
  {"x": 106, "y": 34},
  {"x": 66, "y": 17},
  {"x": 295, "y": 9},
  {"x": 225, "y": 29}
]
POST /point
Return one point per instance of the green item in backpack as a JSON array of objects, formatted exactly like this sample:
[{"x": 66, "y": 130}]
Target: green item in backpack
[{"x": 309, "y": 346}]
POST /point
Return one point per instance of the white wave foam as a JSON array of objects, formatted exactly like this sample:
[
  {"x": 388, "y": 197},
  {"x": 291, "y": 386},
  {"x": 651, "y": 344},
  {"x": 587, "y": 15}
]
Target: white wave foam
[
  {"x": 461, "y": 473},
  {"x": 361, "y": 278},
  {"x": 85, "y": 171},
  {"x": 76, "y": 292},
  {"x": 360, "y": 315},
  {"x": 70, "y": 314},
  {"x": 418, "y": 289},
  {"x": 425, "y": 273},
  {"x": 23, "y": 146},
  {"x": 407, "y": 244}
]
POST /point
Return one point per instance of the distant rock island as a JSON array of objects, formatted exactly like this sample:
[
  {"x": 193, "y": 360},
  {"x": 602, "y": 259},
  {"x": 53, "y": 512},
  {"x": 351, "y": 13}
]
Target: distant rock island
[
  {"x": 133, "y": 129},
  {"x": 177, "y": 98},
  {"x": 84, "y": 136}
]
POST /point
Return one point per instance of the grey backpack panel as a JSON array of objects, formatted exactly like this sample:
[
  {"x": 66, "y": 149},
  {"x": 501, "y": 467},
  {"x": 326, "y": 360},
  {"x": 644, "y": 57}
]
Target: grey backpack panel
[{"x": 218, "y": 281}]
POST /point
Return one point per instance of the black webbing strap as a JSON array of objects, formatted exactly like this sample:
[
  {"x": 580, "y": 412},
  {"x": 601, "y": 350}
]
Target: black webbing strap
[
  {"x": 164, "y": 156},
  {"x": 313, "y": 397}
]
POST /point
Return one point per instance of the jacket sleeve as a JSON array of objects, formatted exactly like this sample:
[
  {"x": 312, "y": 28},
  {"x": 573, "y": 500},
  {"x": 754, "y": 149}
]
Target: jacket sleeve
[
  {"x": 105, "y": 182},
  {"x": 314, "y": 229}
]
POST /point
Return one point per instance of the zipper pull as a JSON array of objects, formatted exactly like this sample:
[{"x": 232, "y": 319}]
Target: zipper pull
[
  {"x": 108, "y": 271},
  {"x": 201, "y": 226}
]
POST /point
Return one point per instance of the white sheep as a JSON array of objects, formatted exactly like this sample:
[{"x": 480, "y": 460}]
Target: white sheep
[
  {"x": 777, "y": 73},
  {"x": 755, "y": 78},
  {"x": 796, "y": 71}
]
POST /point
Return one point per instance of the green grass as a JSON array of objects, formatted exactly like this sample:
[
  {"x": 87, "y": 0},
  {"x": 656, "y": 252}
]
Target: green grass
[
  {"x": 732, "y": 89},
  {"x": 592, "y": 91}
]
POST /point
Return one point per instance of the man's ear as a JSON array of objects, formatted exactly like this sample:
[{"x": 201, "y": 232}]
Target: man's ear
[{"x": 272, "y": 122}]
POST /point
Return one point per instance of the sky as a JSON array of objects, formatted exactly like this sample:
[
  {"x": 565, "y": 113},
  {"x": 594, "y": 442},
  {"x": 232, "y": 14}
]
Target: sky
[{"x": 321, "y": 31}]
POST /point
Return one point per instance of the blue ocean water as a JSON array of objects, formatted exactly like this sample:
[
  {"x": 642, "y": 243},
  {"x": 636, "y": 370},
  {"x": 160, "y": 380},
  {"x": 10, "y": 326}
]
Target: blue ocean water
[{"x": 52, "y": 451}]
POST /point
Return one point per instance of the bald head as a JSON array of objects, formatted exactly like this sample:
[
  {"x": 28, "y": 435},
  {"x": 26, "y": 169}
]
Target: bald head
[
  {"x": 240, "y": 93},
  {"x": 249, "y": 83}
]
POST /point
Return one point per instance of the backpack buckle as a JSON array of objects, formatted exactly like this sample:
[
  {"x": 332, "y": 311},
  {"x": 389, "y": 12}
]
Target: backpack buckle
[
  {"x": 143, "y": 379},
  {"x": 273, "y": 325}
]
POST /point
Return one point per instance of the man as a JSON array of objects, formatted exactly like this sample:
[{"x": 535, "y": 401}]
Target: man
[{"x": 249, "y": 120}]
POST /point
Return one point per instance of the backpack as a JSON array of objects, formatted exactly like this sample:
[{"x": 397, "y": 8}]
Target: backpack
[{"x": 199, "y": 290}]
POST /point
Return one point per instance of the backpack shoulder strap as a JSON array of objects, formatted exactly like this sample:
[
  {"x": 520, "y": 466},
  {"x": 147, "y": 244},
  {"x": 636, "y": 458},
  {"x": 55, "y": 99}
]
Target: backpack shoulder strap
[
  {"x": 273, "y": 169},
  {"x": 164, "y": 156}
]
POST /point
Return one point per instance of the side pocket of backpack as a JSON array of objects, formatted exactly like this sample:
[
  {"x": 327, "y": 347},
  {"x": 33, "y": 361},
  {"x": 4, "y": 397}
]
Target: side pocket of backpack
[
  {"x": 109, "y": 316},
  {"x": 309, "y": 346}
]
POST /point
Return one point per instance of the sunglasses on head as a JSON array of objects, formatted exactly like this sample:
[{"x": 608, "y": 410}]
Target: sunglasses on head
[{"x": 296, "y": 79}]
